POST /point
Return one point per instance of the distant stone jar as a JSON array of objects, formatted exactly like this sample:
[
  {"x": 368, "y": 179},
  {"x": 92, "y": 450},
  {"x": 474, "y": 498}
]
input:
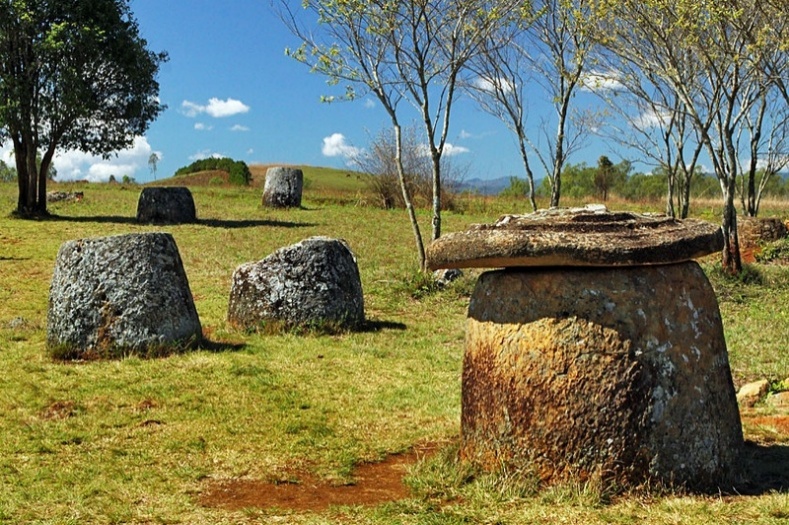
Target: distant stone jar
[
  {"x": 166, "y": 205},
  {"x": 314, "y": 283},
  {"x": 119, "y": 295},
  {"x": 597, "y": 351},
  {"x": 283, "y": 187}
]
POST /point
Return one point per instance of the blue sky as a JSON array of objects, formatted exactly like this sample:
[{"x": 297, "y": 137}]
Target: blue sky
[{"x": 231, "y": 91}]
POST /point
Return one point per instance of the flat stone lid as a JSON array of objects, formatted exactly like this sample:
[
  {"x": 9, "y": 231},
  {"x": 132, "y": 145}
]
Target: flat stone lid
[{"x": 589, "y": 236}]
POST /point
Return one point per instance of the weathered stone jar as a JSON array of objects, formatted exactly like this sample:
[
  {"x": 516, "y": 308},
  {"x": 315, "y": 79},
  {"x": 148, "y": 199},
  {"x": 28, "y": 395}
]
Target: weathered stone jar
[
  {"x": 283, "y": 187},
  {"x": 166, "y": 205},
  {"x": 597, "y": 351},
  {"x": 313, "y": 283},
  {"x": 118, "y": 295}
]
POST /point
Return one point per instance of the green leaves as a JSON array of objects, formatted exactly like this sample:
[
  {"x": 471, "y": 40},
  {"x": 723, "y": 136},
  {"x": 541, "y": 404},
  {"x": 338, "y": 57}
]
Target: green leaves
[{"x": 73, "y": 75}]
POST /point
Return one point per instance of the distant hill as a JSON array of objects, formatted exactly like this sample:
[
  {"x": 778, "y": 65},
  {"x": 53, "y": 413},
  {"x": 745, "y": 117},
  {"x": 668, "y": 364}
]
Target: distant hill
[
  {"x": 316, "y": 178},
  {"x": 485, "y": 186}
]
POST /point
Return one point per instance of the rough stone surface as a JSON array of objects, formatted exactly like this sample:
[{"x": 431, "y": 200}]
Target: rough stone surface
[
  {"x": 758, "y": 230},
  {"x": 57, "y": 196},
  {"x": 445, "y": 277},
  {"x": 283, "y": 187},
  {"x": 314, "y": 282},
  {"x": 122, "y": 294},
  {"x": 590, "y": 236},
  {"x": 621, "y": 373},
  {"x": 751, "y": 393},
  {"x": 166, "y": 205},
  {"x": 779, "y": 400}
]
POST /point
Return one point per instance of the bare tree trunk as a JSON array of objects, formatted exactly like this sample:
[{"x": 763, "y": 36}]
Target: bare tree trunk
[
  {"x": 558, "y": 160},
  {"x": 32, "y": 181},
  {"x": 527, "y": 167},
  {"x": 409, "y": 205},
  {"x": 685, "y": 195},
  {"x": 731, "y": 261},
  {"x": 21, "y": 174},
  {"x": 671, "y": 184},
  {"x": 436, "y": 158}
]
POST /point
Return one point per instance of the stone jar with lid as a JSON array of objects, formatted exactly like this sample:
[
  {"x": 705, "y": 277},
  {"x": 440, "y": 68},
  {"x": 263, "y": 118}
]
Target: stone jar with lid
[{"x": 596, "y": 350}]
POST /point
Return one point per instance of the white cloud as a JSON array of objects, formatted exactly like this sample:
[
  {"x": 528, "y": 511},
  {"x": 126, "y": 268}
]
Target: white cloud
[
  {"x": 602, "y": 81},
  {"x": 205, "y": 154},
  {"x": 215, "y": 108},
  {"x": 450, "y": 150},
  {"x": 465, "y": 135},
  {"x": 335, "y": 145},
  {"x": 494, "y": 84},
  {"x": 239, "y": 127},
  {"x": 7, "y": 153},
  {"x": 651, "y": 119},
  {"x": 72, "y": 165},
  {"x": 199, "y": 126},
  {"x": 369, "y": 103}
]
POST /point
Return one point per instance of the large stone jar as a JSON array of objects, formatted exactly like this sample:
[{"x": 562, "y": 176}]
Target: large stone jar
[
  {"x": 593, "y": 365},
  {"x": 119, "y": 295},
  {"x": 166, "y": 205},
  {"x": 313, "y": 283},
  {"x": 283, "y": 187}
]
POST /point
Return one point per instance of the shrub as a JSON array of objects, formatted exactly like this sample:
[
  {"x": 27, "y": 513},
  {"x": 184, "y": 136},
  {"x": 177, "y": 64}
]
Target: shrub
[{"x": 237, "y": 170}]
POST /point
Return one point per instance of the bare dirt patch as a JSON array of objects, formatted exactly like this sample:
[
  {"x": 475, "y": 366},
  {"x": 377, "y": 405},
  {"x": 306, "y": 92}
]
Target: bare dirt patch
[{"x": 375, "y": 483}]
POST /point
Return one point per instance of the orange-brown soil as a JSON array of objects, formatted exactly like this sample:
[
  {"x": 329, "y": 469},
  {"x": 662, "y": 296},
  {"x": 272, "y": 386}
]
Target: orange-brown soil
[{"x": 375, "y": 483}]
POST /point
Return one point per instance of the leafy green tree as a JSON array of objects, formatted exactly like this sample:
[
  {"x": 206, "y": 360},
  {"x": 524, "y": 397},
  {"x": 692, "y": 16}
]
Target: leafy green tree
[
  {"x": 720, "y": 58},
  {"x": 7, "y": 173},
  {"x": 578, "y": 180},
  {"x": 519, "y": 188},
  {"x": 608, "y": 176},
  {"x": 73, "y": 75},
  {"x": 645, "y": 186},
  {"x": 153, "y": 161},
  {"x": 237, "y": 170}
]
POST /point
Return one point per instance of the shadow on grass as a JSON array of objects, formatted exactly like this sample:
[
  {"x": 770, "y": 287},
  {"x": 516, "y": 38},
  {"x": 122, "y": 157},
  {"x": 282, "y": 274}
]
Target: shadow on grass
[
  {"x": 220, "y": 346},
  {"x": 251, "y": 223},
  {"x": 211, "y": 223},
  {"x": 766, "y": 468},
  {"x": 373, "y": 325}
]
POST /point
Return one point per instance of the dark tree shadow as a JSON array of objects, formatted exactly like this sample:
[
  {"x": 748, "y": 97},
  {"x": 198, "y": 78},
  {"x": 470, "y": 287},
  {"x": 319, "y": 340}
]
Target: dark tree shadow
[
  {"x": 373, "y": 325},
  {"x": 766, "y": 468},
  {"x": 220, "y": 346},
  {"x": 211, "y": 223},
  {"x": 251, "y": 223}
]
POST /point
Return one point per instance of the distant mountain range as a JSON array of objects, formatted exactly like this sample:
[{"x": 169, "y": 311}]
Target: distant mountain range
[{"x": 485, "y": 186}]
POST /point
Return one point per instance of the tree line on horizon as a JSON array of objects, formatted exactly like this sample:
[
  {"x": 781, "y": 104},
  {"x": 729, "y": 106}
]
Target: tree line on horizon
[{"x": 680, "y": 80}]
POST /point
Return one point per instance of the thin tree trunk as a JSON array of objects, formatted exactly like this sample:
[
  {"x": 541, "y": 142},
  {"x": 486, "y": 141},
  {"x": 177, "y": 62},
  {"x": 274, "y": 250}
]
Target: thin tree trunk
[
  {"x": 21, "y": 175},
  {"x": 409, "y": 205},
  {"x": 436, "y": 158},
  {"x": 558, "y": 161},
  {"x": 731, "y": 261},
  {"x": 527, "y": 167},
  {"x": 671, "y": 184}
]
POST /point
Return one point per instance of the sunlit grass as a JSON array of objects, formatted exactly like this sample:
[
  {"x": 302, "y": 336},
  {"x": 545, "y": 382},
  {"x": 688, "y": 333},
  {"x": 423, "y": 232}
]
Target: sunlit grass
[{"x": 136, "y": 440}]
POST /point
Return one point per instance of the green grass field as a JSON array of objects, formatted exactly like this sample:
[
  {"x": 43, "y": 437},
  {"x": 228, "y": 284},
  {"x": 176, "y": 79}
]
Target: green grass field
[{"x": 143, "y": 441}]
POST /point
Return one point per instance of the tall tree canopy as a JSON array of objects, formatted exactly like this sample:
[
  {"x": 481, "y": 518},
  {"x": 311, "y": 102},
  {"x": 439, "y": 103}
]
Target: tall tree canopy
[
  {"x": 413, "y": 51},
  {"x": 73, "y": 75},
  {"x": 720, "y": 58}
]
